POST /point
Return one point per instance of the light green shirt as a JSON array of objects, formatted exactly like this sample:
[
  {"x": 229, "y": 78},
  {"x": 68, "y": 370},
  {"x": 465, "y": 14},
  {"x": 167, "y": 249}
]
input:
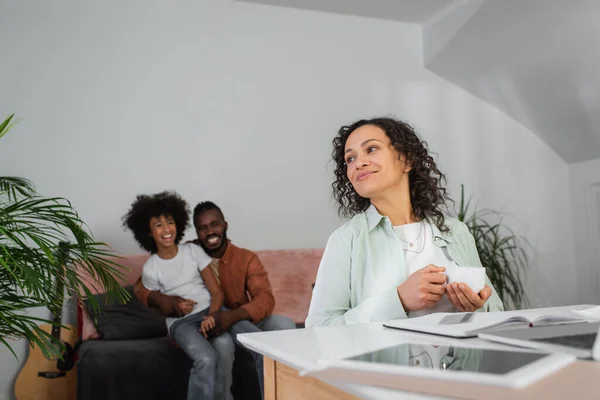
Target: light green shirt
[{"x": 363, "y": 264}]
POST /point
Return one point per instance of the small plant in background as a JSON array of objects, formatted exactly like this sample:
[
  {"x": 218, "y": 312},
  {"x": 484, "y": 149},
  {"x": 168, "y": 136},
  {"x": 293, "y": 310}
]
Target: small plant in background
[{"x": 501, "y": 252}]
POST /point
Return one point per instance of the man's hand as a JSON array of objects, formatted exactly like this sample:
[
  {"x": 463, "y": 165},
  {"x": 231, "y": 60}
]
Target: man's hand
[
  {"x": 170, "y": 306},
  {"x": 464, "y": 299},
  {"x": 185, "y": 305},
  {"x": 224, "y": 319},
  {"x": 423, "y": 288}
]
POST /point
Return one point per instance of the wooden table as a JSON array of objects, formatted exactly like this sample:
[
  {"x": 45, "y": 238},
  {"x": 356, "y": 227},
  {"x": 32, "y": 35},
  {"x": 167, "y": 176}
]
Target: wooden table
[
  {"x": 288, "y": 352},
  {"x": 283, "y": 382}
]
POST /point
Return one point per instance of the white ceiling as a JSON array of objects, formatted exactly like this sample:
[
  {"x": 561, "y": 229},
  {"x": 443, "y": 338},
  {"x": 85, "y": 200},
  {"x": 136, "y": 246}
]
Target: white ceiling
[
  {"x": 413, "y": 11},
  {"x": 539, "y": 62},
  {"x": 536, "y": 60}
]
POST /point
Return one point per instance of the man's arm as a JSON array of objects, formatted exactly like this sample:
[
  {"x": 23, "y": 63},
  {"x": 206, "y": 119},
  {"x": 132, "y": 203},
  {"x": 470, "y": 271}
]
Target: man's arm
[{"x": 262, "y": 302}]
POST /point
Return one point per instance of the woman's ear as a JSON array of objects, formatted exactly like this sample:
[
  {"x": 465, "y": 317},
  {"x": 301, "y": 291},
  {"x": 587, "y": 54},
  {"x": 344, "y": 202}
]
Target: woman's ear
[{"x": 407, "y": 165}]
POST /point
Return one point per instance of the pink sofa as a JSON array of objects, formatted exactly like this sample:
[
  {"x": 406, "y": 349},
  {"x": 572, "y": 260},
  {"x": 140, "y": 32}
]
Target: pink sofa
[{"x": 291, "y": 273}]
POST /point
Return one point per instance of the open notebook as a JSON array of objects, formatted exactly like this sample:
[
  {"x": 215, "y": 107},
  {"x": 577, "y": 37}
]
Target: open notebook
[{"x": 462, "y": 325}]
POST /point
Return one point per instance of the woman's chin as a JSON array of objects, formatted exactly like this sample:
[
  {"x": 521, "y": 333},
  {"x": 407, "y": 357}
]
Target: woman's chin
[{"x": 366, "y": 191}]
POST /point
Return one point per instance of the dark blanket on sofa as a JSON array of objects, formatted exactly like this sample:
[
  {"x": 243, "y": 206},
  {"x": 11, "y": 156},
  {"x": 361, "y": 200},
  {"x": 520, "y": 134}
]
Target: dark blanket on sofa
[
  {"x": 135, "y": 360},
  {"x": 149, "y": 369},
  {"x": 132, "y": 369}
]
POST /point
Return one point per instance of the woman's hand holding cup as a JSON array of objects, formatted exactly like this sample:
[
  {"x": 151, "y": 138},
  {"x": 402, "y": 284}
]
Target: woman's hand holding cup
[
  {"x": 466, "y": 288},
  {"x": 423, "y": 288}
]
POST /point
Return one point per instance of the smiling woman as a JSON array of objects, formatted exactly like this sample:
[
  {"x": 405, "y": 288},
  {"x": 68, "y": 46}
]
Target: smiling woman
[{"x": 389, "y": 260}]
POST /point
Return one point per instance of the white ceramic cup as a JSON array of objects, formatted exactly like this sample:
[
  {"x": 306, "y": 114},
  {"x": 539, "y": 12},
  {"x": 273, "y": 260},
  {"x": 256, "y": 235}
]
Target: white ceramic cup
[{"x": 473, "y": 277}]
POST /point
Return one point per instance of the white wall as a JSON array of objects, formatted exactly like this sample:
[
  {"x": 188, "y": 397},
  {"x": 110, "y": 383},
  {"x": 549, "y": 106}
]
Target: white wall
[
  {"x": 581, "y": 176},
  {"x": 238, "y": 103}
]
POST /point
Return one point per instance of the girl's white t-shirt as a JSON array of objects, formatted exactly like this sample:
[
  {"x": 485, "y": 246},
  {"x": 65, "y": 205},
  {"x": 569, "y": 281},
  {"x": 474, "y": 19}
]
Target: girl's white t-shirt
[{"x": 179, "y": 276}]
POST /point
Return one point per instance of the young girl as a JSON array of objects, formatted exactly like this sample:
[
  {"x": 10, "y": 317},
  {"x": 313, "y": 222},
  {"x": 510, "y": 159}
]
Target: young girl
[{"x": 158, "y": 223}]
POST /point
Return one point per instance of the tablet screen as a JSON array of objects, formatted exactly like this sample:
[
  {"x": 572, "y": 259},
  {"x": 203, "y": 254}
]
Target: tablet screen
[{"x": 496, "y": 362}]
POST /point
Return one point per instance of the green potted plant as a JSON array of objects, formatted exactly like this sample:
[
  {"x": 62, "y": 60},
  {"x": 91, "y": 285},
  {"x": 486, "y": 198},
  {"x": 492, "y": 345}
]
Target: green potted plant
[
  {"x": 502, "y": 253},
  {"x": 31, "y": 229}
]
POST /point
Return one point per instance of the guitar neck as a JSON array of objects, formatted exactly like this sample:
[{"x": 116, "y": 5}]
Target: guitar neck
[
  {"x": 57, "y": 321},
  {"x": 61, "y": 259}
]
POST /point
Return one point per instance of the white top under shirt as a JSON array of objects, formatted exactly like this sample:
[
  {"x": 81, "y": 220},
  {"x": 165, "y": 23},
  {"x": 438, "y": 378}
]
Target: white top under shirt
[
  {"x": 422, "y": 253},
  {"x": 179, "y": 276}
]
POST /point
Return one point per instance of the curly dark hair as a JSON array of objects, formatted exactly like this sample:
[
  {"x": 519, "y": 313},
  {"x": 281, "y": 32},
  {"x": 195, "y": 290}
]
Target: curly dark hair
[
  {"x": 428, "y": 196},
  {"x": 145, "y": 207},
  {"x": 206, "y": 206}
]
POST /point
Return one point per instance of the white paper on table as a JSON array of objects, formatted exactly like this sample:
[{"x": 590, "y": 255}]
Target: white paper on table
[{"x": 592, "y": 314}]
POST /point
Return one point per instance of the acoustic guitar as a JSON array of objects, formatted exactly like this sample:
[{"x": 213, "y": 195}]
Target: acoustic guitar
[{"x": 43, "y": 378}]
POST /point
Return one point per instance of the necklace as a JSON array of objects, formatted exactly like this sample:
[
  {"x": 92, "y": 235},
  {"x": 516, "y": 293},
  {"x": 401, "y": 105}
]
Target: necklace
[
  {"x": 411, "y": 243},
  {"x": 422, "y": 248}
]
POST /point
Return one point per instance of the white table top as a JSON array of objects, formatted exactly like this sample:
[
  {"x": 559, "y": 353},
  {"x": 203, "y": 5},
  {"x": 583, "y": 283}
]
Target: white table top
[{"x": 302, "y": 349}]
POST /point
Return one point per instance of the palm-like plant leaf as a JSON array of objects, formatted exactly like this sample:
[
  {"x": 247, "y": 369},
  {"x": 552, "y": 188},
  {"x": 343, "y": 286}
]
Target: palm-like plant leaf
[
  {"x": 501, "y": 252},
  {"x": 7, "y": 124},
  {"x": 14, "y": 187},
  {"x": 31, "y": 275}
]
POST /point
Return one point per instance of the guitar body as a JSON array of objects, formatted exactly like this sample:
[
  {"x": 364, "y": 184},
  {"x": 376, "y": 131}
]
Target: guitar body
[{"x": 30, "y": 386}]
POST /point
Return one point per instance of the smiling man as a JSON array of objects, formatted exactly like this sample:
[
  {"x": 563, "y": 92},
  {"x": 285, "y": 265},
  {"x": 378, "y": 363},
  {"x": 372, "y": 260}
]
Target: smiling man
[{"x": 248, "y": 292}]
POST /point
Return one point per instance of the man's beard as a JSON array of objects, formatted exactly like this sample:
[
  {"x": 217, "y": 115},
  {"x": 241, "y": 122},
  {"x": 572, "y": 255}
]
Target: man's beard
[{"x": 214, "y": 252}]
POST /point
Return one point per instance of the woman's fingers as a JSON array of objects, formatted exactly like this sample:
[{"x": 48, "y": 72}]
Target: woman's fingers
[
  {"x": 463, "y": 299},
  {"x": 437, "y": 289},
  {"x": 451, "y": 292},
  {"x": 485, "y": 293}
]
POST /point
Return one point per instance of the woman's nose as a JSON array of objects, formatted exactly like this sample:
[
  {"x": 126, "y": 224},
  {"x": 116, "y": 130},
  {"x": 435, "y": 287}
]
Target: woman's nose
[{"x": 361, "y": 162}]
